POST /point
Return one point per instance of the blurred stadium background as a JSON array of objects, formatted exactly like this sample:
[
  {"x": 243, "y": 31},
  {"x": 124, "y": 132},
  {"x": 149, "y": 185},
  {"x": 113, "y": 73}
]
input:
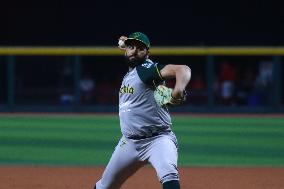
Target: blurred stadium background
[
  {"x": 87, "y": 79},
  {"x": 235, "y": 51}
]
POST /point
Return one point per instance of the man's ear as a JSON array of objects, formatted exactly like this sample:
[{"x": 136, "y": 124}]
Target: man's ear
[{"x": 148, "y": 53}]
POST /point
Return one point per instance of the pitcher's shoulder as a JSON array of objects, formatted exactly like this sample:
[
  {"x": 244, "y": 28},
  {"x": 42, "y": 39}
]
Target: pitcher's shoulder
[{"x": 149, "y": 71}]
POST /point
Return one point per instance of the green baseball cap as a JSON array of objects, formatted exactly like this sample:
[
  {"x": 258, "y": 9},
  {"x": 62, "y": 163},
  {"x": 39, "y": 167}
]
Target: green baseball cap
[{"x": 138, "y": 36}]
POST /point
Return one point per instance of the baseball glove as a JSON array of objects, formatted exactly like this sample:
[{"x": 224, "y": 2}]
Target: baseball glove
[{"x": 163, "y": 96}]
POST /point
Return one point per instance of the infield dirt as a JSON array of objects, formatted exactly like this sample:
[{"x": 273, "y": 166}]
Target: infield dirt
[{"x": 38, "y": 177}]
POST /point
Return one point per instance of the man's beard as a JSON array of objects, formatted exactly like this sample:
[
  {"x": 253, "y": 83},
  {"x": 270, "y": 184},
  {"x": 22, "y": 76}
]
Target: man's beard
[{"x": 135, "y": 61}]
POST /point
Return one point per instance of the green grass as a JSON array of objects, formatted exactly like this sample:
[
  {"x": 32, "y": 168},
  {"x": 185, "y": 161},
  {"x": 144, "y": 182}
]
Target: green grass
[{"x": 90, "y": 139}]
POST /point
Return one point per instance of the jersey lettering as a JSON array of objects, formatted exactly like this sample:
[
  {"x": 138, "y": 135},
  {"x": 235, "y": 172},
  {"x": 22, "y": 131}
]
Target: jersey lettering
[{"x": 126, "y": 89}]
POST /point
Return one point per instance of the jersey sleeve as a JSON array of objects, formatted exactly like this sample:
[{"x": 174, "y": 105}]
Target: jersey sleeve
[{"x": 149, "y": 73}]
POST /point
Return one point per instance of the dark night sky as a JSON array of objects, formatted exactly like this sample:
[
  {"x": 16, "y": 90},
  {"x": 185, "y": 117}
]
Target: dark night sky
[{"x": 194, "y": 23}]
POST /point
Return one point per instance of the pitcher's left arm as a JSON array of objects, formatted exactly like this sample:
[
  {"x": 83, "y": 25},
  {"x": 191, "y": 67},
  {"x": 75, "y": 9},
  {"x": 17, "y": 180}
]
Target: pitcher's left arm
[{"x": 182, "y": 74}]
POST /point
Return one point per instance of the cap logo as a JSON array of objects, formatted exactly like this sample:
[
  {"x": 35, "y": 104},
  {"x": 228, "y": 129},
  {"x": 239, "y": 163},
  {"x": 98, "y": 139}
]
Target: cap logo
[
  {"x": 136, "y": 35},
  {"x": 140, "y": 37}
]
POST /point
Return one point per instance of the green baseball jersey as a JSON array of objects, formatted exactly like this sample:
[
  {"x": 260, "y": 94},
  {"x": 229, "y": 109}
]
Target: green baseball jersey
[{"x": 139, "y": 113}]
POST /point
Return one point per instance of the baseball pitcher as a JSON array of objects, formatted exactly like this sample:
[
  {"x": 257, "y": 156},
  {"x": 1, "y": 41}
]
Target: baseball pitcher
[{"x": 144, "y": 117}]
